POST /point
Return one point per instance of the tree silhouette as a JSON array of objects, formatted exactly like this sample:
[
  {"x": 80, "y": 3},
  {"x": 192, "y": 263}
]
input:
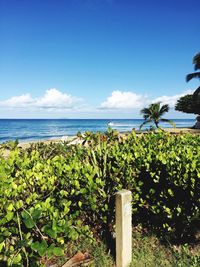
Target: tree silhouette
[{"x": 154, "y": 114}]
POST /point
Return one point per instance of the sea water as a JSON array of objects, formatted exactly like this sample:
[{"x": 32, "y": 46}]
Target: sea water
[{"x": 40, "y": 129}]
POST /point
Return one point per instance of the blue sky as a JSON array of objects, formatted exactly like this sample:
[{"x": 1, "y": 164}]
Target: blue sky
[{"x": 95, "y": 58}]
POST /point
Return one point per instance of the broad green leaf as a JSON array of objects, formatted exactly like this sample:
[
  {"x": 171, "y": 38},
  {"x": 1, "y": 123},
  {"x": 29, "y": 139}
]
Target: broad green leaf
[
  {"x": 1, "y": 246},
  {"x": 58, "y": 251},
  {"x": 29, "y": 222},
  {"x": 48, "y": 230},
  {"x": 36, "y": 214},
  {"x": 10, "y": 207}
]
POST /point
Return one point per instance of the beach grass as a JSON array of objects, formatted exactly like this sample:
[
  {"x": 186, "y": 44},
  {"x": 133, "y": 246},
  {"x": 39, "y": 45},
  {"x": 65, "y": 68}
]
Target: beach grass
[{"x": 148, "y": 251}]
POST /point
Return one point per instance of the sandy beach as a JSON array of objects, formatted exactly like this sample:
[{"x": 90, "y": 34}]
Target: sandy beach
[
  {"x": 182, "y": 130},
  {"x": 75, "y": 140},
  {"x": 71, "y": 139}
]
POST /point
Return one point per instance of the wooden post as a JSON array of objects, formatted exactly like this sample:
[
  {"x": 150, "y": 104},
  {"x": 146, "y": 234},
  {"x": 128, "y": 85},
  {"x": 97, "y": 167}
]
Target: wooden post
[{"x": 123, "y": 228}]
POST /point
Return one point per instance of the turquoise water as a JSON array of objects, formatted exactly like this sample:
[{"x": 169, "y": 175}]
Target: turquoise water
[{"x": 40, "y": 129}]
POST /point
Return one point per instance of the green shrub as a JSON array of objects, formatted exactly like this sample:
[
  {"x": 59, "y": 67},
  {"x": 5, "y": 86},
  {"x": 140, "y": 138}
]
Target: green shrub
[{"x": 53, "y": 194}]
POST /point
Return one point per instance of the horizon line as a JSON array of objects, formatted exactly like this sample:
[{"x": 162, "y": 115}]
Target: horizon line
[{"x": 87, "y": 118}]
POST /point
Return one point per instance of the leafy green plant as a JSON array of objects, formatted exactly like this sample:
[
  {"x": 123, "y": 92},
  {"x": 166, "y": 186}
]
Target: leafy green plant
[
  {"x": 51, "y": 195},
  {"x": 9, "y": 145}
]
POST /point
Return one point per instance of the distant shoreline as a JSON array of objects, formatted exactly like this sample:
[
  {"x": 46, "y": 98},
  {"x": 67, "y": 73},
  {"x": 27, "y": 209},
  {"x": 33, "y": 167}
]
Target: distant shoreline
[
  {"x": 32, "y": 130},
  {"x": 71, "y": 137}
]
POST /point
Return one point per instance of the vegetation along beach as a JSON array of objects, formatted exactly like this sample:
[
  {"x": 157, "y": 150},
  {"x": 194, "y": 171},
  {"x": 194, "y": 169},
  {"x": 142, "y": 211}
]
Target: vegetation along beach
[{"x": 99, "y": 133}]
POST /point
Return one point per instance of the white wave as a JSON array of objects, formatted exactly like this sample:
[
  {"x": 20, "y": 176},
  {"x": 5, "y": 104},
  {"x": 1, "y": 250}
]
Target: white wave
[{"x": 120, "y": 124}]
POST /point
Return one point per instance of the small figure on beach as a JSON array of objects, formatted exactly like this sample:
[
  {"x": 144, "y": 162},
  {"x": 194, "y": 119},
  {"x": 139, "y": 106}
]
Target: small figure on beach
[{"x": 197, "y": 124}]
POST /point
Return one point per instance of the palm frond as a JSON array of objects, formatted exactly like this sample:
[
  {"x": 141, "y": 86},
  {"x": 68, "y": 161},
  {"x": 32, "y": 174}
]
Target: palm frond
[
  {"x": 197, "y": 66},
  {"x": 196, "y": 93},
  {"x": 192, "y": 75},
  {"x": 145, "y": 111},
  {"x": 164, "y": 109},
  {"x": 155, "y": 106},
  {"x": 146, "y": 117},
  {"x": 196, "y": 61}
]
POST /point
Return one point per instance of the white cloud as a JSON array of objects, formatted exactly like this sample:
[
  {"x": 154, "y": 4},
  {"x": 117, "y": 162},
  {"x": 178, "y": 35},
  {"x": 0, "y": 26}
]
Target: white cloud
[
  {"x": 170, "y": 100},
  {"x": 130, "y": 100},
  {"x": 17, "y": 101},
  {"x": 52, "y": 99},
  {"x": 56, "y": 99},
  {"x": 56, "y": 102},
  {"x": 123, "y": 100}
]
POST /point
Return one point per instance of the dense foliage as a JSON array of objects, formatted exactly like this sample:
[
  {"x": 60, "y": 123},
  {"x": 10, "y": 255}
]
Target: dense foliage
[
  {"x": 188, "y": 104},
  {"x": 53, "y": 194},
  {"x": 191, "y": 103}
]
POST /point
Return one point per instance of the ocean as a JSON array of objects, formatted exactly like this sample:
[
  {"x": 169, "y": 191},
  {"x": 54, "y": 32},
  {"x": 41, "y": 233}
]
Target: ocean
[{"x": 40, "y": 129}]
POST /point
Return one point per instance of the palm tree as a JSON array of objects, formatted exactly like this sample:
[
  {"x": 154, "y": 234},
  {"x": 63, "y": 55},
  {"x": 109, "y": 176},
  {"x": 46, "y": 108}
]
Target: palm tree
[
  {"x": 154, "y": 114},
  {"x": 191, "y": 103},
  {"x": 196, "y": 62}
]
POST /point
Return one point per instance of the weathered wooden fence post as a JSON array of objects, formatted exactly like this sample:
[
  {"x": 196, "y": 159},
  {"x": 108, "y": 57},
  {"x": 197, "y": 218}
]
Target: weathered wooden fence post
[{"x": 123, "y": 228}]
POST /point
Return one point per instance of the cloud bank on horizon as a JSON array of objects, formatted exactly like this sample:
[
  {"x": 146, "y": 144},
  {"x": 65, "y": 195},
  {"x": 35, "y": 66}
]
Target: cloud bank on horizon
[
  {"x": 53, "y": 100},
  {"x": 123, "y": 100},
  {"x": 131, "y": 100}
]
